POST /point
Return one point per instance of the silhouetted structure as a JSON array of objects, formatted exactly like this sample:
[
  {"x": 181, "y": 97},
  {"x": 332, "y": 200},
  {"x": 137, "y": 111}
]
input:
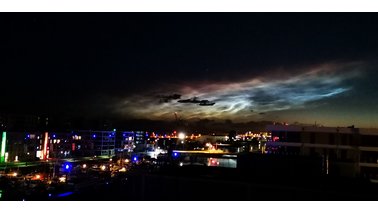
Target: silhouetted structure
[{"x": 349, "y": 152}]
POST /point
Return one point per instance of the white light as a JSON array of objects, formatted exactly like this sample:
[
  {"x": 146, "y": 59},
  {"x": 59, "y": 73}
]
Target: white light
[
  {"x": 181, "y": 136},
  {"x": 103, "y": 167},
  {"x": 14, "y": 174},
  {"x": 127, "y": 160},
  {"x": 62, "y": 179},
  {"x": 84, "y": 166},
  {"x": 181, "y": 163}
]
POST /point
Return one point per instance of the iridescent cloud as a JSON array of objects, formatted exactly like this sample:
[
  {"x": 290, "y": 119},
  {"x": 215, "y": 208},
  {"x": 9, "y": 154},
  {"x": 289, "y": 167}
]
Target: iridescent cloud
[{"x": 245, "y": 99}]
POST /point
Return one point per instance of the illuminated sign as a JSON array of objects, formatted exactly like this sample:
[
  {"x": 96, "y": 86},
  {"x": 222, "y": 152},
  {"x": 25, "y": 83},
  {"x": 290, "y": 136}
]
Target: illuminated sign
[
  {"x": 3, "y": 141},
  {"x": 46, "y": 140}
]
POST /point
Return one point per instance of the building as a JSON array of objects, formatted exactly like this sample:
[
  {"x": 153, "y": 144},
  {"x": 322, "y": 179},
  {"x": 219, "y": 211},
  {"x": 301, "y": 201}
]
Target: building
[
  {"x": 30, "y": 146},
  {"x": 140, "y": 137},
  {"x": 125, "y": 141},
  {"x": 102, "y": 143},
  {"x": 349, "y": 152}
]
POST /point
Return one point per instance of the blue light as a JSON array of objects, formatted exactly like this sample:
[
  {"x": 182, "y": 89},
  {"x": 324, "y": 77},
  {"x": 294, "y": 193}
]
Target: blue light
[
  {"x": 50, "y": 195},
  {"x": 175, "y": 154},
  {"x": 54, "y": 136},
  {"x": 135, "y": 158},
  {"x": 65, "y": 194},
  {"x": 28, "y": 136},
  {"x": 94, "y": 136},
  {"x": 67, "y": 167}
]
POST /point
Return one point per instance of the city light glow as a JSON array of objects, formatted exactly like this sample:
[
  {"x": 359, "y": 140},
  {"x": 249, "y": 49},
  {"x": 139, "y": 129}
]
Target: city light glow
[{"x": 181, "y": 136}]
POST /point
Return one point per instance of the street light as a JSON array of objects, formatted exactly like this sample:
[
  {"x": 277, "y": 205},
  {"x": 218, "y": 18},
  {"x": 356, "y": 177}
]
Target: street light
[{"x": 181, "y": 136}]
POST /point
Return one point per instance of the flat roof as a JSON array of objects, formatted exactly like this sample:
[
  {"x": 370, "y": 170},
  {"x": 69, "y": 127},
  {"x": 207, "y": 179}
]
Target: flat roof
[{"x": 344, "y": 130}]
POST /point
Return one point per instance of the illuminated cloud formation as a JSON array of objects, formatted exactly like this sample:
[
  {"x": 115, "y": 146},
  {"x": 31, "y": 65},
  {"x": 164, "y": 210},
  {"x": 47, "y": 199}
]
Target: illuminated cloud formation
[{"x": 249, "y": 98}]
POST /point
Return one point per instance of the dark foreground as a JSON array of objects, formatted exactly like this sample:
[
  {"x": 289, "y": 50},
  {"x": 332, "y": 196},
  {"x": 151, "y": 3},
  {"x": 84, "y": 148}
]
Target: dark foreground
[
  {"x": 197, "y": 183},
  {"x": 255, "y": 178}
]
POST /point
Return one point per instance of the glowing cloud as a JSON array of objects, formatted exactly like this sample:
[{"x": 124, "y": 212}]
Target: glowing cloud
[{"x": 246, "y": 98}]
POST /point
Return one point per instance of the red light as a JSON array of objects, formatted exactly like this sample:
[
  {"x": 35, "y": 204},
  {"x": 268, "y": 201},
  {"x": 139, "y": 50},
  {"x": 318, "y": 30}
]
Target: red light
[
  {"x": 46, "y": 140},
  {"x": 37, "y": 177}
]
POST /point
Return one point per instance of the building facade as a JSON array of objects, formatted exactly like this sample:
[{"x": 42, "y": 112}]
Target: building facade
[{"x": 350, "y": 152}]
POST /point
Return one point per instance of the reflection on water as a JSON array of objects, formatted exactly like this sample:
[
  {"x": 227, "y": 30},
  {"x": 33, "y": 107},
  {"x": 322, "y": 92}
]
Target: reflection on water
[
  {"x": 222, "y": 162},
  {"x": 65, "y": 194},
  {"x": 227, "y": 162}
]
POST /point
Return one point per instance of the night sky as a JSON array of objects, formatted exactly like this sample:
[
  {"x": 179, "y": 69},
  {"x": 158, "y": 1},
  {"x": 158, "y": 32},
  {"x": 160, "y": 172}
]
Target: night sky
[{"x": 284, "y": 67}]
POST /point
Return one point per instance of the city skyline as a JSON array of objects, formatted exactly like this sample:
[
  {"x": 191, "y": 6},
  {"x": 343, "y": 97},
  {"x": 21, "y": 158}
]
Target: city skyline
[{"x": 307, "y": 68}]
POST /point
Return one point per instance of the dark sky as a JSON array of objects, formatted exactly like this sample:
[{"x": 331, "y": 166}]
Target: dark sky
[{"x": 287, "y": 67}]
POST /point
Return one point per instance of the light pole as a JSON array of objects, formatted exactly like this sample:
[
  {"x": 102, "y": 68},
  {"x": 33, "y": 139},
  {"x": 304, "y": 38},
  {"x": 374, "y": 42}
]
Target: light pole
[{"x": 181, "y": 136}]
